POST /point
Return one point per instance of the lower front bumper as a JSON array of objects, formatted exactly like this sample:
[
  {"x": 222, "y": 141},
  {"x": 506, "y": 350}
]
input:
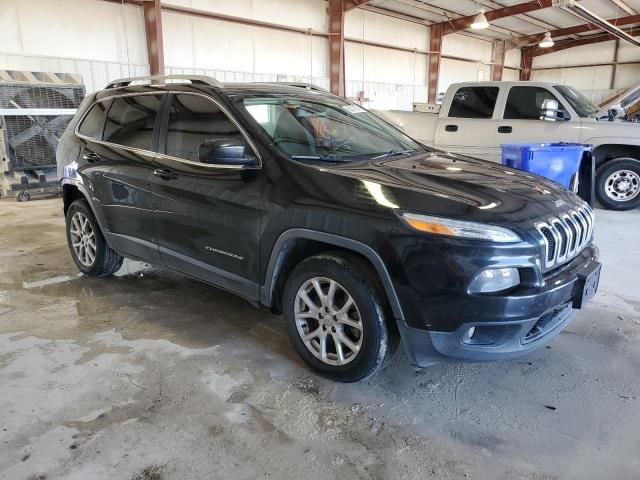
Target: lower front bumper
[
  {"x": 489, "y": 342},
  {"x": 498, "y": 328}
]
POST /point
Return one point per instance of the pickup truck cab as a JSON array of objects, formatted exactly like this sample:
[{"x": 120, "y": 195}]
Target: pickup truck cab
[{"x": 476, "y": 118}]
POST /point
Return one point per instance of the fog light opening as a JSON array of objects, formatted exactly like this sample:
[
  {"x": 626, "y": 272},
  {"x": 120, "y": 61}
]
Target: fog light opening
[{"x": 469, "y": 334}]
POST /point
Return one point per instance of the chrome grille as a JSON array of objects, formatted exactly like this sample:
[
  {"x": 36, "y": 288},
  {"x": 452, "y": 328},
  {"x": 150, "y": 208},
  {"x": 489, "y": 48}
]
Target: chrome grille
[{"x": 566, "y": 235}]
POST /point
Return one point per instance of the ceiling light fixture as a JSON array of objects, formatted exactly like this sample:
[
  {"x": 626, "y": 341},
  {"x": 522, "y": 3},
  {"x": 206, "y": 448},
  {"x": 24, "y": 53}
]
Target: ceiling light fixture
[
  {"x": 547, "y": 41},
  {"x": 480, "y": 21}
]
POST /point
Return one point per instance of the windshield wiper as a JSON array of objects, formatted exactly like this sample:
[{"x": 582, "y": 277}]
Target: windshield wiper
[
  {"x": 393, "y": 153},
  {"x": 330, "y": 157}
]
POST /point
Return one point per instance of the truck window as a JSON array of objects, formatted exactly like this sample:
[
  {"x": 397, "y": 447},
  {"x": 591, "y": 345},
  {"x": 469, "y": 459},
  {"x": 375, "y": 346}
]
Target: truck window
[
  {"x": 525, "y": 103},
  {"x": 93, "y": 122},
  {"x": 474, "y": 102}
]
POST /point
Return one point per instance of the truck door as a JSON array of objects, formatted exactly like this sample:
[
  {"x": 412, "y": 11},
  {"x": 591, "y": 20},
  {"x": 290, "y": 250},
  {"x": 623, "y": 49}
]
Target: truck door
[
  {"x": 468, "y": 126},
  {"x": 520, "y": 122}
]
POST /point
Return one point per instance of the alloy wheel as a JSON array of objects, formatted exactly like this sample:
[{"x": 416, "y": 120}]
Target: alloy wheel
[
  {"x": 328, "y": 321},
  {"x": 83, "y": 239}
]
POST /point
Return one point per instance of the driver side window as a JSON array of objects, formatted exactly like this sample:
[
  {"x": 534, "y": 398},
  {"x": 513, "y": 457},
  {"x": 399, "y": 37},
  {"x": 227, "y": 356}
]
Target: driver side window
[
  {"x": 194, "y": 120},
  {"x": 525, "y": 103}
]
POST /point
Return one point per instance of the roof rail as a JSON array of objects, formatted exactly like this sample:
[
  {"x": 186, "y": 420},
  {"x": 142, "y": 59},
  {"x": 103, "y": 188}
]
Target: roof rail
[
  {"x": 308, "y": 86},
  {"x": 161, "y": 79}
]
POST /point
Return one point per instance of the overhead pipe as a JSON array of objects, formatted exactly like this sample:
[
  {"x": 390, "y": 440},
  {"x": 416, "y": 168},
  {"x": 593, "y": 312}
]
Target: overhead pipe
[{"x": 574, "y": 7}]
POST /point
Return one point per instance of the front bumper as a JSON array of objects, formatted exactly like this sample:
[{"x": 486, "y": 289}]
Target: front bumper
[{"x": 503, "y": 327}]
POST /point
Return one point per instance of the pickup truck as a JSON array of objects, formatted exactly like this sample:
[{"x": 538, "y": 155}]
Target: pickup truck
[{"x": 476, "y": 118}]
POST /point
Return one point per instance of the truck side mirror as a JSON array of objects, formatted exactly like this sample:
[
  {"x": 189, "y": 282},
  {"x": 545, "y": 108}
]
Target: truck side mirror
[{"x": 551, "y": 111}]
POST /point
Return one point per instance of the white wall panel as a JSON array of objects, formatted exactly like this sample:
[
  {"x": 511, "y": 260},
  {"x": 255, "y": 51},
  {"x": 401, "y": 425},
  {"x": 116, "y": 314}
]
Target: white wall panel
[
  {"x": 58, "y": 28},
  {"x": 466, "y": 47},
  {"x": 627, "y": 75},
  {"x": 454, "y": 71},
  {"x": 195, "y": 42},
  {"x": 384, "y": 29},
  {"x": 628, "y": 52},
  {"x": 510, "y": 75},
  {"x": 512, "y": 58},
  {"x": 295, "y": 13}
]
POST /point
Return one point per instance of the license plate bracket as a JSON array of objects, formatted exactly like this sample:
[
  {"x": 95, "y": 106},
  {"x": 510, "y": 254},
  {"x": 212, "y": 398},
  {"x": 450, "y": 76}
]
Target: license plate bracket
[{"x": 587, "y": 286}]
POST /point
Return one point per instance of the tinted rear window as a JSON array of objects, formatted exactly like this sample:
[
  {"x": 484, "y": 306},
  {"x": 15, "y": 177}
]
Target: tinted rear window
[
  {"x": 130, "y": 120},
  {"x": 93, "y": 122},
  {"x": 474, "y": 102}
]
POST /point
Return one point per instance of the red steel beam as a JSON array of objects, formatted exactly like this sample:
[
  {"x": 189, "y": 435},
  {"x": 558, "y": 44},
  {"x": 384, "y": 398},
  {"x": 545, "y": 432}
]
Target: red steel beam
[
  {"x": 537, "y": 51},
  {"x": 587, "y": 27},
  {"x": 498, "y": 53},
  {"x": 462, "y": 23},
  {"x": 526, "y": 61},
  {"x": 435, "y": 54},
  {"x": 336, "y": 47},
  {"x": 153, "y": 31}
]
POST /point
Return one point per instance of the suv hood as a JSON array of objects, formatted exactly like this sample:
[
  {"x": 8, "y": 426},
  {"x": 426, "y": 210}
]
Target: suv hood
[{"x": 439, "y": 183}]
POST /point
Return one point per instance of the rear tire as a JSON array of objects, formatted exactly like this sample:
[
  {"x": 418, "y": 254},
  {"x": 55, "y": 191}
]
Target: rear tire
[
  {"x": 348, "y": 317},
  {"x": 618, "y": 184},
  {"x": 87, "y": 245}
]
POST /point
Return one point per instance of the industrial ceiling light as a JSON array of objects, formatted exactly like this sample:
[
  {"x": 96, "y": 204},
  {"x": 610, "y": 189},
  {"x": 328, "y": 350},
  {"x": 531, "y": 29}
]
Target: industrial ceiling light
[
  {"x": 480, "y": 21},
  {"x": 547, "y": 41}
]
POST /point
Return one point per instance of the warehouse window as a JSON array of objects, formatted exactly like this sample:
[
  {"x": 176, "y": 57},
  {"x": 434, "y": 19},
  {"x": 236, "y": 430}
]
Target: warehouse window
[
  {"x": 192, "y": 121},
  {"x": 474, "y": 102},
  {"x": 130, "y": 120},
  {"x": 525, "y": 103},
  {"x": 93, "y": 122}
]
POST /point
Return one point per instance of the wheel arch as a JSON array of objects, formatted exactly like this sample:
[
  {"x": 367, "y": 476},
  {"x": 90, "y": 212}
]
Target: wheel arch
[
  {"x": 72, "y": 191},
  {"x": 610, "y": 151},
  {"x": 294, "y": 245}
]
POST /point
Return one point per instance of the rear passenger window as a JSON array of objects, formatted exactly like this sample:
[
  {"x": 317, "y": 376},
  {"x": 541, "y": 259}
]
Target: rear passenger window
[
  {"x": 474, "y": 102},
  {"x": 193, "y": 120},
  {"x": 93, "y": 121},
  {"x": 130, "y": 120},
  {"x": 525, "y": 103}
]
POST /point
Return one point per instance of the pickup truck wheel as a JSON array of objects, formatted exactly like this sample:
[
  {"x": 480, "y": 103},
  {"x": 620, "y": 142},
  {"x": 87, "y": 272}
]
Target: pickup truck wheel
[
  {"x": 618, "y": 184},
  {"x": 87, "y": 245},
  {"x": 336, "y": 319}
]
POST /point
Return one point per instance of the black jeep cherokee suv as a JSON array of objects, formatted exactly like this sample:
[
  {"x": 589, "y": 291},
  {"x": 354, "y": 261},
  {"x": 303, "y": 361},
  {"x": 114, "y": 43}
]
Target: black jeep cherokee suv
[{"x": 309, "y": 205}]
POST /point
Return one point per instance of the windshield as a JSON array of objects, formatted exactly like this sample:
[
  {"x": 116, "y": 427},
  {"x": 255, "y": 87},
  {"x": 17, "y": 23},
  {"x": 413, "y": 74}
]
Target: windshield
[
  {"x": 581, "y": 104},
  {"x": 326, "y": 129}
]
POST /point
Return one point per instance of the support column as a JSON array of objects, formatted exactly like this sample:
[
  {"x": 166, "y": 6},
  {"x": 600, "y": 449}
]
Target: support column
[
  {"x": 435, "y": 51},
  {"x": 498, "y": 53},
  {"x": 336, "y": 47},
  {"x": 526, "y": 63},
  {"x": 614, "y": 67},
  {"x": 153, "y": 31}
]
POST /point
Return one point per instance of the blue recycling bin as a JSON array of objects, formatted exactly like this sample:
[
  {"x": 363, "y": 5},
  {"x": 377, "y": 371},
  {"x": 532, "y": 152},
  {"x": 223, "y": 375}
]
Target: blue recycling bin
[{"x": 556, "y": 161}]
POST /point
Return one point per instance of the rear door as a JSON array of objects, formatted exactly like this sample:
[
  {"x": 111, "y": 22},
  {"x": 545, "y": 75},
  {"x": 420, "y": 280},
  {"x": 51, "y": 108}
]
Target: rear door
[
  {"x": 520, "y": 121},
  {"x": 469, "y": 123},
  {"x": 118, "y": 155},
  {"x": 207, "y": 216}
]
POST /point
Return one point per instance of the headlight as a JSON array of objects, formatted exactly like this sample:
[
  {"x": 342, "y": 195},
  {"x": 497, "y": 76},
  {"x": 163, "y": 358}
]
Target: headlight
[
  {"x": 458, "y": 228},
  {"x": 495, "y": 280}
]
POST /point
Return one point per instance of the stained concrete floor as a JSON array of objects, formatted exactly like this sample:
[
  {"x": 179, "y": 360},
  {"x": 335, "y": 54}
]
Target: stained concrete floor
[{"x": 149, "y": 375}]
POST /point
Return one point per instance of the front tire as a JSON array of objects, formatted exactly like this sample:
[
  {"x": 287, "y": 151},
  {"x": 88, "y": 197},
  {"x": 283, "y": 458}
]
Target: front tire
[
  {"x": 87, "y": 245},
  {"x": 618, "y": 184},
  {"x": 336, "y": 319}
]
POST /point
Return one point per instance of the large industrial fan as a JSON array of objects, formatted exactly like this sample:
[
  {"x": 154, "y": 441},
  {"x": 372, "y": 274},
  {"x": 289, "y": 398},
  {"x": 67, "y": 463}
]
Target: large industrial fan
[{"x": 35, "y": 109}]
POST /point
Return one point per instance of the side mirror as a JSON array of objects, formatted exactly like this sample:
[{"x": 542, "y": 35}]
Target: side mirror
[
  {"x": 551, "y": 111},
  {"x": 225, "y": 151}
]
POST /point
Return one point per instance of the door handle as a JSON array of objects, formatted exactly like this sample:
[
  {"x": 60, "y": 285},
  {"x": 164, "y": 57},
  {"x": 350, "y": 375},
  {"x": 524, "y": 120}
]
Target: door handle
[
  {"x": 451, "y": 128},
  {"x": 505, "y": 129},
  {"x": 91, "y": 157},
  {"x": 165, "y": 174}
]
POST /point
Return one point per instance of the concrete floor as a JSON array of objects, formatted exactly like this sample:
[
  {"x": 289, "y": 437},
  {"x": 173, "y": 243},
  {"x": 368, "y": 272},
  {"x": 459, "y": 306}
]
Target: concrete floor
[{"x": 149, "y": 375}]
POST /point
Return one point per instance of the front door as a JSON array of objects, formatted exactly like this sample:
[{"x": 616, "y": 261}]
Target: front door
[
  {"x": 207, "y": 216},
  {"x": 520, "y": 122},
  {"x": 469, "y": 127}
]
